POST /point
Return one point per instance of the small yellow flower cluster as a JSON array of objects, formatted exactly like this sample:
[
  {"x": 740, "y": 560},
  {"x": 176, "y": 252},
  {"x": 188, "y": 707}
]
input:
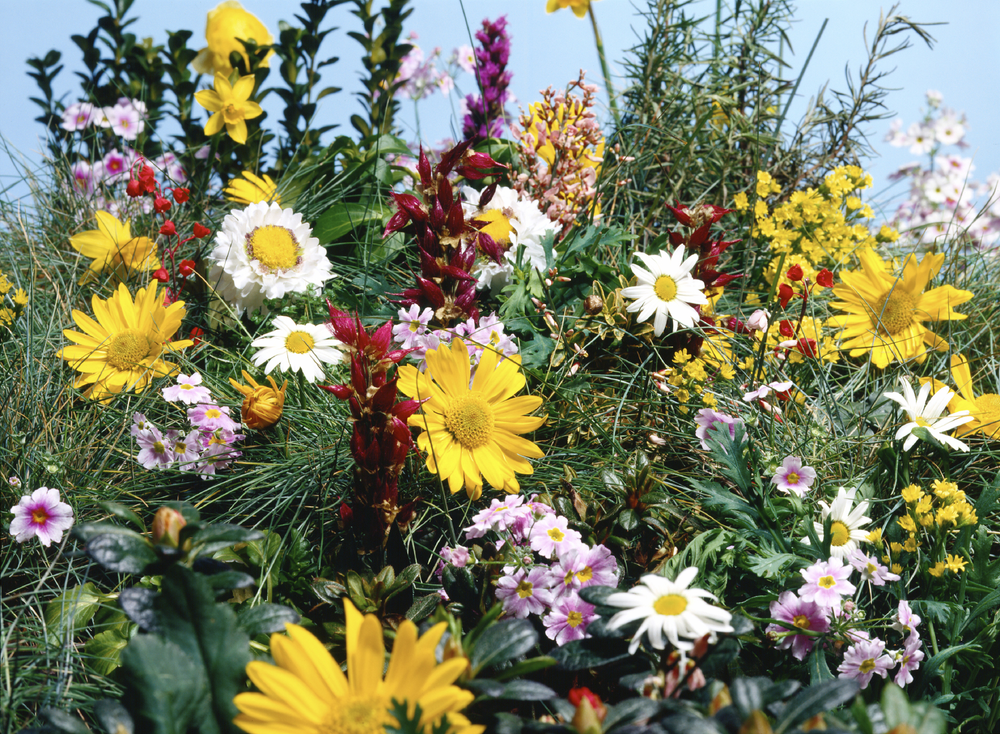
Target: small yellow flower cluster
[
  {"x": 929, "y": 519},
  {"x": 17, "y": 302},
  {"x": 690, "y": 377},
  {"x": 815, "y": 228}
]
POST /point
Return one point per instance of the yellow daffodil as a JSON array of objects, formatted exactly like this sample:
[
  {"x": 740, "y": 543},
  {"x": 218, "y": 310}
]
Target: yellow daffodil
[
  {"x": 231, "y": 105},
  {"x": 252, "y": 189},
  {"x": 307, "y": 692},
  {"x": 579, "y": 7},
  {"x": 886, "y": 314},
  {"x": 123, "y": 348},
  {"x": 112, "y": 245},
  {"x": 227, "y": 25}
]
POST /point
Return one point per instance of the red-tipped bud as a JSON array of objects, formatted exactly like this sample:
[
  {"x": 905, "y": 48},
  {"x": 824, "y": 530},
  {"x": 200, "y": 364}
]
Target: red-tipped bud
[
  {"x": 825, "y": 278},
  {"x": 201, "y": 232},
  {"x": 181, "y": 195},
  {"x": 785, "y": 294},
  {"x": 786, "y": 329},
  {"x": 795, "y": 273},
  {"x": 168, "y": 229},
  {"x": 167, "y": 526},
  {"x": 186, "y": 267},
  {"x": 161, "y": 205},
  {"x": 134, "y": 188},
  {"x": 341, "y": 391},
  {"x": 162, "y": 275}
]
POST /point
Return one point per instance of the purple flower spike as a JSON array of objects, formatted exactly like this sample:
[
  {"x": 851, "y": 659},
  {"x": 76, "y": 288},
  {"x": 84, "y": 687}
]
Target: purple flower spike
[{"x": 486, "y": 116}]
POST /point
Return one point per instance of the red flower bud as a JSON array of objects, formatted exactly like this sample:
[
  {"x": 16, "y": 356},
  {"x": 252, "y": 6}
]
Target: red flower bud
[
  {"x": 134, "y": 188},
  {"x": 181, "y": 195},
  {"x": 825, "y": 278},
  {"x": 795, "y": 272},
  {"x": 186, "y": 267},
  {"x": 168, "y": 229},
  {"x": 785, "y": 294},
  {"x": 196, "y": 333},
  {"x": 786, "y": 329},
  {"x": 201, "y": 232},
  {"x": 807, "y": 347},
  {"x": 162, "y": 275},
  {"x": 161, "y": 205}
]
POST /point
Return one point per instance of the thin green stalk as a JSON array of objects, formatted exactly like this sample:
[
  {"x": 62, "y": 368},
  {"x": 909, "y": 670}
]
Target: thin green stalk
[
  {"x": 798, "y": 81},
  {"x": 604, "y": 68},
  {"x": 447, "y": 513}
]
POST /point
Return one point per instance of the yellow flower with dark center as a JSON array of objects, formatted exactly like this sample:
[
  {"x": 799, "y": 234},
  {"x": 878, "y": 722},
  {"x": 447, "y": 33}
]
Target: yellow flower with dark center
[
  {"x": 112, "y": 245},
  {"x": 231, "y": 106},
  {"x": 262, "y": 405},
  {"x": 123, "y": 348},
  {"x": 227, "y": 25},
  {"x": 472, "y": 425},
  {"x": 306, "y": 691},
  {"x": 984, "y": 408},
  {"x": 252, "y": 189},
  {"x": 886, "y": 314}
]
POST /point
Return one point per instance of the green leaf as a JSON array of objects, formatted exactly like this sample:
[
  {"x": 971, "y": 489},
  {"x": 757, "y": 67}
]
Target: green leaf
[
  {"x": 343, "y": 217},
  {"x": 167, "y": 690},
  {"x": 122, "y": 552},
  {"x": 525, "y": 667},
  {"x": 104, "y": 650},
  {"x": 123, "y": 513},
  {"x": 593, "y": 653},
  {"x": 748, "y": 695},
  {"x": 423, "y": 607},
  {"x": 229, "y": 580},
  {"x": 770, "y": 564},
  {"x": 503, "y": 641},
  {"x": 629, "y": 711},
  {"x": 70, "y": 612},
  {"x": 898, "y": 710},
  {"x": 266, "y": 618},
  {"x": 628, "y": 520},
  {"x": 819, "y": 671},
  {"x": 527, "y": 690},
  {"x": 63, "y": 722},
  {"x": 815, "y": 700},
  {"x": 212, "y": 538},
  {"x": 113, "y": 717}
]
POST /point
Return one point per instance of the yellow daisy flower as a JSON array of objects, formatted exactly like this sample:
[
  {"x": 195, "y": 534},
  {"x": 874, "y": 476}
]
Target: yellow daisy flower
[
  {"x": 112, "y": 245},
  {"x": 984, "y": 408},
  {"x": 886, "y": 314},
  {"x": 472, "y": 425},
  {"x": 122, "y": 350},
  {"x": 262, "y": 405},
  {"x": 231, "y": 106},
  {"x": 306, "y": 691},
  {"x": 252, "y": 189}
]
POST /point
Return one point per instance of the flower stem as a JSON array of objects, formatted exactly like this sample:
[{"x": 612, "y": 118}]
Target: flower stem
[
  {"x": 302, "y": 390},
  {"x": 604, "y": 67},
  {"x": 447, "y": 512}
]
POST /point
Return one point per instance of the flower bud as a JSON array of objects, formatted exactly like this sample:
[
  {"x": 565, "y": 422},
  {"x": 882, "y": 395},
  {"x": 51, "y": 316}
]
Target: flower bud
[
  {"x": 162, "y": 275},
  {"x": 201, "y": 232},
  {"x": 168, "y": 229},
  {"x": 186, "y": 267},
  {"x": 825, "y": 278},
  {"x": 181, "y": 195},
  {"x": 795, "y": 272},
  {"x": 161, "y": 205},
  {"x": 759, "y": 319},
  {"x": 134, "y": 189},
  {"x": 262, "y": 405},
  {"x": 167, "y": 527},
  {"x": 593, "y": 305}
]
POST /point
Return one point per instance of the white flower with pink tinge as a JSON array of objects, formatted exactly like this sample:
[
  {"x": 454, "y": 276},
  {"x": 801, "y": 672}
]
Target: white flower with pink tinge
[
  {"x": 826, "y": 582},
  {"x": 41, "y": 516}
]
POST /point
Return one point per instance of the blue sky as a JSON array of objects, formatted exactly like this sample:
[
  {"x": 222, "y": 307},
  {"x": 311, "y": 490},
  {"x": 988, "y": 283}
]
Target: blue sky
[{"x": 549, "y": 50}]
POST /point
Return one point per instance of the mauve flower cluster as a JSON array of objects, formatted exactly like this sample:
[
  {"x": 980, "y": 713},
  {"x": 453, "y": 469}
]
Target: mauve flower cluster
[
  {"x": 413, "y": 333},
  {"x": 419, "y": 76},
  {"x": 126, "y": 118},
  {"x": 824, "y": 606},
  {"x": 205, "y": 448},
  {"x": 944, "y": 204},
  {"x": 94, "y": 181},
  {"x": 486, "y": 115},
  {"x": 548, "y": 565}
]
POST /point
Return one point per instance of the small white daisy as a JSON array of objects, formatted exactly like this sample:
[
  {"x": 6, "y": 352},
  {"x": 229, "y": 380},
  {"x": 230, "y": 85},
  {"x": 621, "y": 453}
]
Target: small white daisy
[
  {"x": 847, "y": 525},
  {"x": 666, "y": 288},
  {"x": 927, "y": 414},
  {"x": 265, "y": 251},
  {"x": 669, "y": 608},
  {"x": 295, "y": 347}
]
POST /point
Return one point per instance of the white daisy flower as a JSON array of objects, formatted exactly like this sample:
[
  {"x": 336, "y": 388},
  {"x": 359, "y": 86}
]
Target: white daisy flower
[
  {"x": 846, "y": 524},
  {"x": 927, "y": 414},
  {"x": 515, "y": 224},
  {"x": 666, "y": 288},
  {"x": 265, "y": 251},
  {"x": 295, "y": 347},
  {"x": 668, "y": 608}
]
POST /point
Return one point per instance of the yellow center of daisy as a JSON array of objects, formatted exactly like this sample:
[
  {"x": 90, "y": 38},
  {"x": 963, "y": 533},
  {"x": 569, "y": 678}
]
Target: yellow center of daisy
[
  {"x": 921, "y": 422},
  {"x": 40, "y": 516},
  {"x": 894, "y": 311},
  {"x": 361, "y": 715},
  {"x": 414, "y": 326},
  {"x": 839, "y": 533},
  {"x": 180, "y": 447},
  {"x": 187, "y": 387},
  {"x": 801, "y": 621},
  {"x": 556, "y": 534},
  {"x": 574, "y": 619},
  {"x": 497, "y": 225},
  {"x": 670, "y": 605},
  {"x": 525, "y": 589},
  {"x": 827, "y": 582},
  {"x": 213, "y": 413},
  {"x": 127, "y": 349},
  {"x": 792, "y": 478},
  {"x": 665, "y": 288},
  {"x": 273, "y": 247},
  {"x": 867, "y": 666},
  {"x": 299, "y": 342},
  {"x": 585, "y": 575},
  {"x": 159, "y": 447},
  {"x": 470, "y": 420}
]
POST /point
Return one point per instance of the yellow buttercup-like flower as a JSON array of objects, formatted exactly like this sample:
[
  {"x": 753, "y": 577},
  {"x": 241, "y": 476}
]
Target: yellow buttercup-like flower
[
  {"x": 252, "y": 189},
  {"x": 886, "y": 314},
  {"x": 262, "y": 405},
  {"x": 112, "y": 245},
  {"x": 231, "y": 105},
  {"x": 123, "y": 348},
  {"x": 472, "y": 425},
  {"x": 579, "y": 7},
  {"x": 227, "y": 25},
  {"x": 306, "y": 691},
  {"x": 984, "y": 408}
]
